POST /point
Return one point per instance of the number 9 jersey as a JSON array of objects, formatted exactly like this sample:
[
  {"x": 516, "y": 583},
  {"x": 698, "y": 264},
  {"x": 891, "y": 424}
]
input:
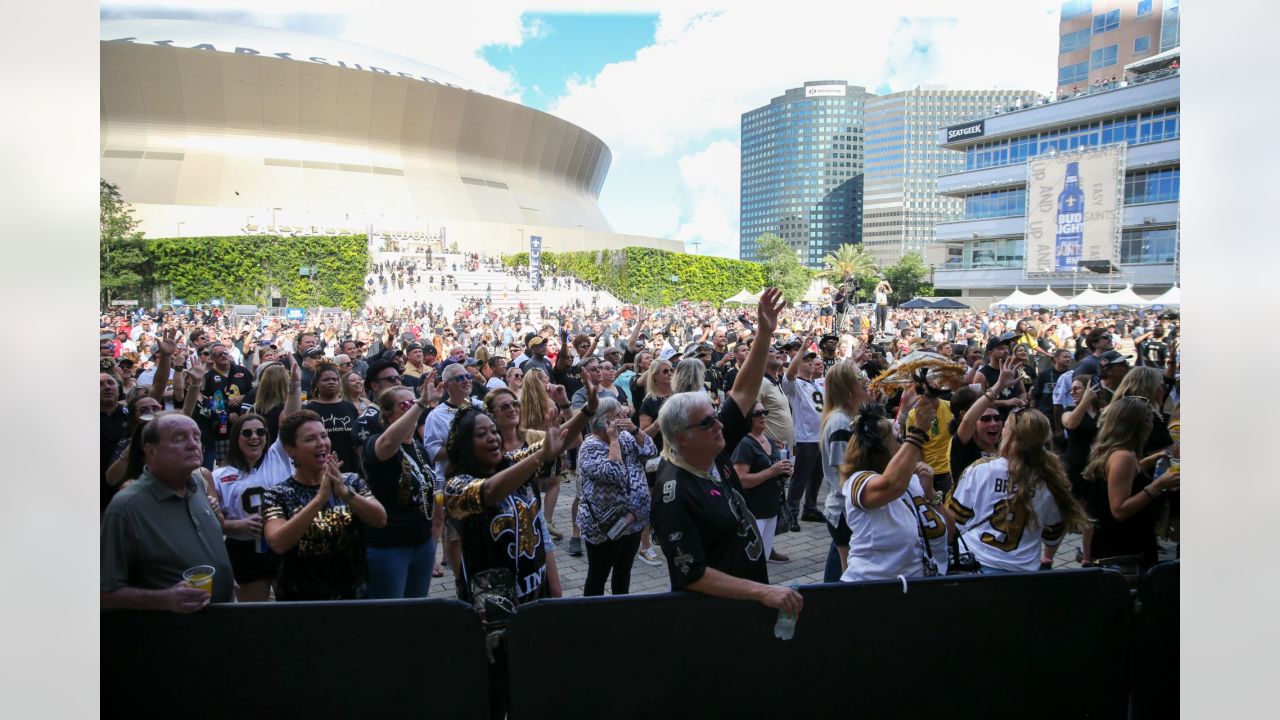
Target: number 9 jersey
[{"x": 1000, "y": 536}]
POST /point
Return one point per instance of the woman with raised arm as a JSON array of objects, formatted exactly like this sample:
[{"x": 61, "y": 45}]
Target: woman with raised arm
[{"x": 897, "y": 528}]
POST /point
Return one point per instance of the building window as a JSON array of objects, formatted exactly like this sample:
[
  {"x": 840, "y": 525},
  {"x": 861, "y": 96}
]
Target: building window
[
  {"x": 1000, "y": 203},
  {"x": 1144, "y": 7},
  {"x": 1144, "y": 246},
  {"x": 1076, "y": 8},
  {"x": 1106, "y": 22},
  {"x": 1169, "y": 25},
  {"x": 1103, "y": 57},
  {"x": 1152, "y": 186},
  {"x": 1074, "y": 41},
  {"x": 1141, "y": 44},
  {"x": 1073, "y": 73}
]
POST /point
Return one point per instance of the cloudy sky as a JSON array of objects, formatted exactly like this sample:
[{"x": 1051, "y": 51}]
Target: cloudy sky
[{"x": 664, "y": 82}]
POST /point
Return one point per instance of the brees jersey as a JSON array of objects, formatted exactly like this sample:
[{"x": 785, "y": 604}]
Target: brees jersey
[
  {"x": 886, "y": 541},
  {"x": 999, "y": 537}
]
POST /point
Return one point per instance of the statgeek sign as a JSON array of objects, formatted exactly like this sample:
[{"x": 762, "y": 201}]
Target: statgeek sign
[
  {"x": 1074, "y": 209},
  {"x": 825, "y": 91},
  {"x": 966, "y": 131}
]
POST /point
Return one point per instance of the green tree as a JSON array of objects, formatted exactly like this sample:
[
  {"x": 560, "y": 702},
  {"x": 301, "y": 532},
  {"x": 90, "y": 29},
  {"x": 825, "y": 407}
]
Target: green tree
[
  {"x": 122, "y": 261},
  {"x": 852, "y": 263},
  {"x": 782, "y": 267},
  {"x": 909, "y": 278}
]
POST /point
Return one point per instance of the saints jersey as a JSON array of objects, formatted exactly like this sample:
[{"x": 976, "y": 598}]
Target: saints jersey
[
  {"x": 240, "y": 492},
  {"x": 999, "y": 537},
  {"x": 886, "y": 541}
]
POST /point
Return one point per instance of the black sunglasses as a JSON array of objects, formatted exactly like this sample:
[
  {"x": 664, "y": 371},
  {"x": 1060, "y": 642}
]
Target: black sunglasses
[
  {"x": 253, "y": 432},
  {"x": 389, "y": 378},
  {"x": 760, "y": 413},
  {"x": 706, "y": 423}
]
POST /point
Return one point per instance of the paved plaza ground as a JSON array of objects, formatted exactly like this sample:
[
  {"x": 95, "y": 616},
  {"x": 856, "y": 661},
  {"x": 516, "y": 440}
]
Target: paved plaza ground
[{"x": 807, "y": 551}]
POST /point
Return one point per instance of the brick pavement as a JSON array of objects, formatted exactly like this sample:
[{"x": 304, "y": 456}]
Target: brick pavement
[{"x": 807, "y": 551}]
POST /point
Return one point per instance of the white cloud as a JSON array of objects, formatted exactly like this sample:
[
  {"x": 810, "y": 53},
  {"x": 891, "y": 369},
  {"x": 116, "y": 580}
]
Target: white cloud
[{"x": 710, "y": 180}]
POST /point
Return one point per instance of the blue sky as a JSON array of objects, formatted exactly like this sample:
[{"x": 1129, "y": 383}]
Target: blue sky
[
  {"x": 559, "y": 47},
  {"x": 664, "y": 82}
]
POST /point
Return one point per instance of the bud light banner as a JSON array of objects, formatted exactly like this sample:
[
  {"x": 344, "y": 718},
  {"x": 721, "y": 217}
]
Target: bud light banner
[
  {"x": 535, "y": 261},
  {"x": 1075, "y": 203}
]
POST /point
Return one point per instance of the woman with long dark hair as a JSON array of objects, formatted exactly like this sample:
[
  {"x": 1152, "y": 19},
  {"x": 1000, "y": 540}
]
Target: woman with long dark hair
[
  {"x": 1008, "y": 505},
  {"x": 1123, "y": 497}
]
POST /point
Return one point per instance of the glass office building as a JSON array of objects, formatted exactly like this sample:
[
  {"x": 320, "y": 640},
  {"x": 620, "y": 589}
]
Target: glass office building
[
  {"x": 982, "y": 253},
  {"x": 802, "y": 170},
  {"x": 901, "y": 204}
]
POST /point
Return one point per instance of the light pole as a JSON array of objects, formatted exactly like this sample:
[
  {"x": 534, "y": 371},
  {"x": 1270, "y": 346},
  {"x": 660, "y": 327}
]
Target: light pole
[{"x": 274, "y": 229}]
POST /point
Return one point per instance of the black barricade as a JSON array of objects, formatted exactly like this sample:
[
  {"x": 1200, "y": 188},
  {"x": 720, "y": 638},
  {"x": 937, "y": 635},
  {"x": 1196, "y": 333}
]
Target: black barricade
[
  {"x": 1155, "y": 644},
  {"x": 394, "y": 658},
  {"x": 1002, "y": 646}
]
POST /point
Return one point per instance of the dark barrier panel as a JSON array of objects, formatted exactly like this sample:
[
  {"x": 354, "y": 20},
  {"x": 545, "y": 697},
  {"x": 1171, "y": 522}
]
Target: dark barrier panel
[
  {"x": 1155, "y": 644},
  {"x": 296, "y": 660},
  {"x": 995, "y": 646}
]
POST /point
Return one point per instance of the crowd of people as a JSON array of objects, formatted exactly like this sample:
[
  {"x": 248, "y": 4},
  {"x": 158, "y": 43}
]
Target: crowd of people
[{"x": 361, "y": 456}]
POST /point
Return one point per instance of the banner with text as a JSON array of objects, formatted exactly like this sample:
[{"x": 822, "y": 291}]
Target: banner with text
[
  {"x": 535, "y": 261},
  {"x": 1075, "y": 203}
]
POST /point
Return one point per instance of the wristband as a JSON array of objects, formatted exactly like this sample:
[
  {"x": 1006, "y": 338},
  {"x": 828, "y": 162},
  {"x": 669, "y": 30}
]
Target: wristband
[
  {"x": 563, "y": 407},
  {"x": 585, "y": 411}
]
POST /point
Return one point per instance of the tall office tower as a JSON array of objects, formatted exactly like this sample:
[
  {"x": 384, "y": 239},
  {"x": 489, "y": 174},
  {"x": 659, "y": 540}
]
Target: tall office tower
[
  {"x": 1098, "y": 38},
  {"x": 802, "y": 170},
  {"x": 901, "y": 203}
]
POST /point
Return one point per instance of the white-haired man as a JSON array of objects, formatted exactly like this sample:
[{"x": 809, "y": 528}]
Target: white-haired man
[{"x": 700, "y": 518}]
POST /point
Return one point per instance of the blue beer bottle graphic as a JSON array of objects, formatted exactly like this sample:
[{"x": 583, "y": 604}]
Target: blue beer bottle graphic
[{"x": 1069, "y": 241}]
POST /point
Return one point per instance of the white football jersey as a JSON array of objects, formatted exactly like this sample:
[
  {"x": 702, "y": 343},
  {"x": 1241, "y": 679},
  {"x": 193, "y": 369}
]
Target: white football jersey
[
  {"x": 885, "y": 542},
  {"x": 998, "y": 537},
  {"x": 240, "y": 493}
]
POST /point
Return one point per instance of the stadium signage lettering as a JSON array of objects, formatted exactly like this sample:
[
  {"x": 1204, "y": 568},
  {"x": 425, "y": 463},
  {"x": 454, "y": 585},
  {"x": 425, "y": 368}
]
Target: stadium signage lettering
[
  {"x": 968, "y": 130},
  {"x": 289, "y": 56}
]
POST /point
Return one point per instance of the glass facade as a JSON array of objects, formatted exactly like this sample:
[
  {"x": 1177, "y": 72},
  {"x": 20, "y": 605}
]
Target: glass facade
[
  {"x": 995, "y": 204},
  {"x": 1141, "y": 246},
  {"x": 1170, "y": 34},
  {"x": 1076, "y": 8},
  {"x": 802, "y": 170},
  {"x": 1106, "y": 22},
  {"x": 1151, "y": 186},
  {"x": 1135, "y": 129},
  {"x": 1074, "y": 41}
]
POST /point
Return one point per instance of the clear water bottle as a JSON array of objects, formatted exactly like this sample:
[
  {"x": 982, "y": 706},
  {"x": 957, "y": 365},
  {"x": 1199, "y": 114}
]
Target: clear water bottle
[{"x": 785, "y": 627}]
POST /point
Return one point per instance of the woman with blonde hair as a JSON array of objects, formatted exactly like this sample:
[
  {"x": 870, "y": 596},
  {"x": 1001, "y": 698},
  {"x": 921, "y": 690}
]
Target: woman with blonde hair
[
  {"x": 535, "y": 402},
  {"x": 353, "y": 391},
  {"x": 1015, "y": 500},
  {"x": 1147, "y": 383},
  {"x": 270, "y": 396},
  {"x": 658, "y": 387},
  {"x": 1123, "y": 497},
  {"x": 846, "y": 391}
]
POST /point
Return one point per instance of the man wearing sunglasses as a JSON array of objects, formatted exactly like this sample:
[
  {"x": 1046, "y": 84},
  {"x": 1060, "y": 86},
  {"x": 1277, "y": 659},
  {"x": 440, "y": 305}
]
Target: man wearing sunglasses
[
  {"x": 709, "y": 537},
  {"x": 225, "y": 386},
  {"x": 435, "y": 431}
]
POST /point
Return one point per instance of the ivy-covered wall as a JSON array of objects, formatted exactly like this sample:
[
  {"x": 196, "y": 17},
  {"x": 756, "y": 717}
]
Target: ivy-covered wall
[
  {"x": 645, "y": 275},
  {"x": 241, "y": 269}
]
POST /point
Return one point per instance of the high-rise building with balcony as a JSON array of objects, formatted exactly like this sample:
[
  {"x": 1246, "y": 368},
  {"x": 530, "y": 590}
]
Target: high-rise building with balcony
[
  {"x": 1098, "y": 38},
  {"x": 982, "y": 254},
  {"x": 900, "y": 201},
  {"x": 802, "y": 170}
]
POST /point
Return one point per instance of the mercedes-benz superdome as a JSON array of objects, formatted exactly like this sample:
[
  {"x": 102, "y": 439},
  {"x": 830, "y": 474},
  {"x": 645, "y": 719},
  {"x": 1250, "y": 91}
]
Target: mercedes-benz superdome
[{"x": 216, "y": 129}]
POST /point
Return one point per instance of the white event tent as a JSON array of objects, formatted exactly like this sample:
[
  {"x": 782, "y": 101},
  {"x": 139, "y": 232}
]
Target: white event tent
[{"x": 1171, "y": 298}]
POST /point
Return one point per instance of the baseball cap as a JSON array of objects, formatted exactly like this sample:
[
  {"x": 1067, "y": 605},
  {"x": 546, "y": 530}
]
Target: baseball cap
[
  {"x": 471, "y": 362},
  {"x": 533, "y": 341},
  {"x": 828, "y": 336},
  {"x": 313, "y": 352},
  {"x": 1112, "y": 357},
  {"x": 413, "y": 346}
]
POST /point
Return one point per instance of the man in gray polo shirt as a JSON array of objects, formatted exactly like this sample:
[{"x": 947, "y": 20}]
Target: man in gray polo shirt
[{"x": 161, "y": 525}]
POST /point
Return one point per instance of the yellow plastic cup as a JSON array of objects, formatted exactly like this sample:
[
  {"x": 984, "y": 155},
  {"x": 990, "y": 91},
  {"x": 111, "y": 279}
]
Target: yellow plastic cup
[{"x": 200, "y": 576}]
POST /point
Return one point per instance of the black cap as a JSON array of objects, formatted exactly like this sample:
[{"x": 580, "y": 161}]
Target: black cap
[
  {"x": 1112, "y": 357},
  {"x": 313, "y": 352},
  {"x": 1003, "y": 339},
  {"x": 827, "y": 337},
  {"x": 413, "y": 346}
]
